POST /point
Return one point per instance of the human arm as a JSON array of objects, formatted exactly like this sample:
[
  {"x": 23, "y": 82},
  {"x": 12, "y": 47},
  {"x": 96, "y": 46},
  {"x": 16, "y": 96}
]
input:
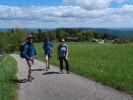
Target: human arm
[
  {"x": 58, "y": 53},
  {"x": 35, "y": 52},
  {"x": 67, "y": 53}
]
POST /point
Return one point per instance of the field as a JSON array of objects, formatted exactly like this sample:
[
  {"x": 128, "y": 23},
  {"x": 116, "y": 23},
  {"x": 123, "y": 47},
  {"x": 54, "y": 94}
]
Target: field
[
  {"x": 108, "y": 64},
  {"x": 7, "y": 74}
]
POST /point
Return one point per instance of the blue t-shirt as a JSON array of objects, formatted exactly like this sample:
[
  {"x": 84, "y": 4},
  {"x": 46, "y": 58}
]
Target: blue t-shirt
[
  {"x": 48, "y": 46},
  {"x": 63, "y": 50}
]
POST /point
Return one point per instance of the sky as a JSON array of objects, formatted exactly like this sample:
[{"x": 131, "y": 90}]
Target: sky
[{"x": 66, "y": 13}]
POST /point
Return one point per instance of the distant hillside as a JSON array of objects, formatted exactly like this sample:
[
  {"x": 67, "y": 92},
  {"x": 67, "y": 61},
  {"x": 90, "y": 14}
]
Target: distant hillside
[
  {"x": 122, "y": 32},
  {"x": 26, "y": 30},
  {"x": 119, "y": 32}
]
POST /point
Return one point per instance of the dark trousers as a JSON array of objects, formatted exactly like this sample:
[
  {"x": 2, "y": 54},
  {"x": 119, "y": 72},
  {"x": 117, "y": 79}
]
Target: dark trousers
[{"x": 62, "y": 60}]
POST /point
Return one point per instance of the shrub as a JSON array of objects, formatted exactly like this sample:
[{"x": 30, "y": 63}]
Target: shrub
[{"x": 10, "y": 41}]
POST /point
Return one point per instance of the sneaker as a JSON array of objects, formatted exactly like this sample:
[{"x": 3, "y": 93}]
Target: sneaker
[
  {"x": 47, "y": 69},
  {"x": 61, "y": 71},
  {"x": 30, "y": 79},
  {"x": 68, "y": 72}
]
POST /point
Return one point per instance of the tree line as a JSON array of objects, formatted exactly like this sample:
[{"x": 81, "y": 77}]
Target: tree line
[
  {"x": 11, "y": 40},
  {"x": 73, "y": 34}
]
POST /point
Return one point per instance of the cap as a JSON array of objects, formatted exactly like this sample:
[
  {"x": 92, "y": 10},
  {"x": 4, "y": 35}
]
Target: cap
[{"x": 62, "y": 40}]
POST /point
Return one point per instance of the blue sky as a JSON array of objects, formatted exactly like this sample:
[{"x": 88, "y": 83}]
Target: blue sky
[
  {"x": 30, "y": 2},
  {"x": 121, "y": 4},
  {"x": 66, "y": 13}
]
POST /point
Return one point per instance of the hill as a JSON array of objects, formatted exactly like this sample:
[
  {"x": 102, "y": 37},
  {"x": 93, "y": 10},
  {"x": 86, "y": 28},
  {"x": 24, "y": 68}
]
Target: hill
[{"x": 119, "y": 32}]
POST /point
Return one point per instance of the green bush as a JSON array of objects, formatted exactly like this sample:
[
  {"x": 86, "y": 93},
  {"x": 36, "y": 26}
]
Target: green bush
[{"x": 10, "y": 41}]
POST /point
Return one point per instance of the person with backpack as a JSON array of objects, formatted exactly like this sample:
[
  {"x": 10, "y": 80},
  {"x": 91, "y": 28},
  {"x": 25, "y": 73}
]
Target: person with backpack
[
  {"x": 28, "y": 52},
  {"x": 63, "y": 55},
  {"x": 48, "y": 48}
]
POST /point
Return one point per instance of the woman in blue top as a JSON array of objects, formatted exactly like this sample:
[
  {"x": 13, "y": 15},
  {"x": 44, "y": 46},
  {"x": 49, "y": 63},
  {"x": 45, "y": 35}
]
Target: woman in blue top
[
  {"x": 47, "y": 47},
  {"x": 29, "y": 54}
]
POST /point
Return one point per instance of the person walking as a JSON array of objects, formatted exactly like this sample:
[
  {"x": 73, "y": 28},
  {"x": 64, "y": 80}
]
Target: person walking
[
  {"x": 63, "y": 55},
  {"x": 48, "y": 48},
  {"x": 28, "y": 52}
]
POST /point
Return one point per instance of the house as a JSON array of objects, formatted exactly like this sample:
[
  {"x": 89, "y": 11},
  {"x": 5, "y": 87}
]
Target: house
[{"x": 73, "y": 39}]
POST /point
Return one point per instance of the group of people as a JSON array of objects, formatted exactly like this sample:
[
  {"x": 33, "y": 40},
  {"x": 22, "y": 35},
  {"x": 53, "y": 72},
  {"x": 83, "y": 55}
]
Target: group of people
[{"x": 28, "y": 52}]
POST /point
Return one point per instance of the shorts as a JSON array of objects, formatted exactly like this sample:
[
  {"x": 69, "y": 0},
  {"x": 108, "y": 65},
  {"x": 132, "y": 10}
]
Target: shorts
[
  {"x": 48, "y": 54},
  {"x": 31, "y": 58}
]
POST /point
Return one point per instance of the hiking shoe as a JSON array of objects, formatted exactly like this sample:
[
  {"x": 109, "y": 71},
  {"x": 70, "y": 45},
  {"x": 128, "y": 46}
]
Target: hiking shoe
[
  {"x": 30, "y": 79},
  {"x": 68, "y": 72},
  {"x": 47, "y": 69},
  {"x": 61, "y": 72}
]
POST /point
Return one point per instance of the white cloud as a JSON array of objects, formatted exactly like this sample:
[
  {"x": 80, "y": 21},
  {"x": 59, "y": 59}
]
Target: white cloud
[
  {"x": 51, "y": 13},
  {"x": 73, "y": 13},
  {"x": 126, "y": 9}
]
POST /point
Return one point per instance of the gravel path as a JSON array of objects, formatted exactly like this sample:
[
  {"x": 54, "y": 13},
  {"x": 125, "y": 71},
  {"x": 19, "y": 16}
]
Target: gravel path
[{"x": 55, "y": 86}]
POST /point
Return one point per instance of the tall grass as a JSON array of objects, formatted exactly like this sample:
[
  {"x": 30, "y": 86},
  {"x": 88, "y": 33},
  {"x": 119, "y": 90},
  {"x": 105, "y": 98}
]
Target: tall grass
[
  {"x": 109, "y": 64},
  {"x": 8, "y": 69}
]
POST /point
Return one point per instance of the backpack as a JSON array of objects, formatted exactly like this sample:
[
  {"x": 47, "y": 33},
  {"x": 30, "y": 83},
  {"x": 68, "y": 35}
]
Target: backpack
[
  {"x": 22, "y": 46},
  {"x": 63, "y": 50}
]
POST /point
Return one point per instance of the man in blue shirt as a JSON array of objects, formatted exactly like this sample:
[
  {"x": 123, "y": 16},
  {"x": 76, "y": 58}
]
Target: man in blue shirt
[
  {"x": 29, "y": 53},
  {"x": 47, "y": 47},
  {"x": 63, "y": 55}
]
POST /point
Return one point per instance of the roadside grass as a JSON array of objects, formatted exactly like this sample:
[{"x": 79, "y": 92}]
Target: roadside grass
[
  {"x": 8, "y": 70},
  {"x": 109, "y": 64}
]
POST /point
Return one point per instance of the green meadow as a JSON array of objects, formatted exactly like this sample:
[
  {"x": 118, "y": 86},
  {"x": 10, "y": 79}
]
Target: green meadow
[
  {"x": 108, "y": 64},
  {"x": 8, "y": 70}
]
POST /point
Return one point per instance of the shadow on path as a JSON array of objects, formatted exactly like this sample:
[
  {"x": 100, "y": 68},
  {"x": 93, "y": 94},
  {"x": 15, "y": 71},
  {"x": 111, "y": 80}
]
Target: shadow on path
[
  {"x": 51, "y": 73},
  {"x": 39, "y": 69},
  {"x": 19, "y": 81}
]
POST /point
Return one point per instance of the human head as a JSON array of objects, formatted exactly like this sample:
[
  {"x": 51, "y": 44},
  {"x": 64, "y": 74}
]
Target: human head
[
  {"x": 46, "y": 39},
  {"x": 29, "y": 39},
  {"x": 62, "y": 41}
]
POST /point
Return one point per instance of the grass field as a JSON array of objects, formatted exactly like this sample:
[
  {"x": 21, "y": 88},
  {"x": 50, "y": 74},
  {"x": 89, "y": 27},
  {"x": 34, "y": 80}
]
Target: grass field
[
  {"x": 8, "y": 69},
  {"x": 109, "y": 64}
]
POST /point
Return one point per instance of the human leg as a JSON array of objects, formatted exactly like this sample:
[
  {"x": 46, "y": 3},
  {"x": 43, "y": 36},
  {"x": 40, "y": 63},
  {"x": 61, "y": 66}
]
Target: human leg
[
  {"x": 67, "y": 65},
  {"x": 46, "y": 60},
  {"x": 29, "y": 70},
  {"x": 61, "y": 64}
]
